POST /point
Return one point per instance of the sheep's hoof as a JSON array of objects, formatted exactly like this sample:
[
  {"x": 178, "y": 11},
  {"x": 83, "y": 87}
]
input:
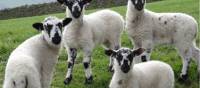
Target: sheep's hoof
[
  {"x": 184, "y": 79},
  {"x": 68, "y": 80},
  {"x": 110, "y": 69},
  {"x": 89, "y": 80}
]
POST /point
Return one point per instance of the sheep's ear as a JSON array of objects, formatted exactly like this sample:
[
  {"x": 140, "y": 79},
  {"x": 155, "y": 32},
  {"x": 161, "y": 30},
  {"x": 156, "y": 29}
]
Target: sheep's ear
[
  {"x": 38, "y": 26},
  {"x": 138, "y": 51},
  {"x": 66, "y": 21},
  {"x": 86, "y": 1},
  {"x": 110, "y": 52},
  {"x": 61, "y": 1}
]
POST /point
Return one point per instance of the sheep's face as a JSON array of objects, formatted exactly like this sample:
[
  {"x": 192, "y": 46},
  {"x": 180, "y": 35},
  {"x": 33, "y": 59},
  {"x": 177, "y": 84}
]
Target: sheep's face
[
  {"x": 52, "y": 29},
  {"x": 124, "y": 57},
  {"x": 139, "y": 4},
  {"x": 75, "y": 6}
]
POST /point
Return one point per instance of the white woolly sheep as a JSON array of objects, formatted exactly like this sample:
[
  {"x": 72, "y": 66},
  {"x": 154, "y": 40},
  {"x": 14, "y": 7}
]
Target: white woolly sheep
[
  {"x": 127, "y": 74},
  {"x": 31, "y": 64},
  {"x": 86, "y": 31},
  {"x": 147, "y": 29}
]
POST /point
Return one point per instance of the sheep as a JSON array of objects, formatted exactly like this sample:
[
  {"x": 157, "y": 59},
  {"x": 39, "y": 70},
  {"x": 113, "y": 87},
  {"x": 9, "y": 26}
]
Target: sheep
[
  {"x": 86, "y": 31},
  {"x": 147, "y": 29},
  {"x": 127, "y": 74},
  {"x": 31, "y": 64}
]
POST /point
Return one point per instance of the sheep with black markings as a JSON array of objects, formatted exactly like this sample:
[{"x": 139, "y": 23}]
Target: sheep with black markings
[
  {"x": 31, "y": 64},
  {"x": 147, "y": 29},
  {"x": 86, "y": 31},
  {"x": 151, "y": 74}
]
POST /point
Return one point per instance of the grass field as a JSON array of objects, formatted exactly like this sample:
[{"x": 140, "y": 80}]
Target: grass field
[{"x": 15, "y": 31}]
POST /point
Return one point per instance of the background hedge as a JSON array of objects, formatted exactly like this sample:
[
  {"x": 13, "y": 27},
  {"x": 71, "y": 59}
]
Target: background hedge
[{"x": 54, "y": 7}]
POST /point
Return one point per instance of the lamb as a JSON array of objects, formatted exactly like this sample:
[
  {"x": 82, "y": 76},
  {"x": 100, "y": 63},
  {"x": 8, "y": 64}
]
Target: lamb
[
  {"x": 151, "y": 74},
  {"x": 31, "y": 64},
  {"x": 147, "y": 29},
  {"x": 86, "y": 31}
]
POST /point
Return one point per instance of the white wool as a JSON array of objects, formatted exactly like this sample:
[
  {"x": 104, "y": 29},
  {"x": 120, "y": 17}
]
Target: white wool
[
  {"x": 31, "y": 64},
  {"x": 147, "y": 29},
  {"x": 152, "y": 74}
]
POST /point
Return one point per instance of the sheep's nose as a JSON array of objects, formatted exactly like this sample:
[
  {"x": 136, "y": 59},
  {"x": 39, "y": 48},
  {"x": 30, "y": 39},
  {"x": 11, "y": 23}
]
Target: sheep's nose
[{"x": 56, "y": 39}]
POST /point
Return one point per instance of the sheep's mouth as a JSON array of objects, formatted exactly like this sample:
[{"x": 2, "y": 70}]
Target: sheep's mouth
[
  {"x": 139, "y": 7},
  {"x": 56, "y": 40},
  {"x": 76, "y": 14}
]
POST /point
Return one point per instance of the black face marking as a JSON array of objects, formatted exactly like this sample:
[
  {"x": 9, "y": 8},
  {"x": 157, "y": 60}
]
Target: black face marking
[
  {"x": 60, "y": 26},
  {"x": 165, "y": 22},
  {"x": 86, "y": 65},
  {"x": 48, "y": 28},
  {"x": 56, "y": 39},
  {"x": 144, "y": 58},
  {"x": 125, "y": 67},
  {"x": 26, "y": 81},
  {"x": 119, "y": 58},
  {"x": 139, "y": 5},
  {"x": 76, "y": 13},
  {"x": 14, "y": 83}
]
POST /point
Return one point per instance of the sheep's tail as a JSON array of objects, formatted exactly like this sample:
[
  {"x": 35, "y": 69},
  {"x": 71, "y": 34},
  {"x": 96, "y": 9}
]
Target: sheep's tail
[{"x": 16, "y": 83}]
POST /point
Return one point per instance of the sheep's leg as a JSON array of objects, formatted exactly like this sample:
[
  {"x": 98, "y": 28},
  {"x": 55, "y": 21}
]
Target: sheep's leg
[
  {"x": 196, "y": 55},
  {"x": 186, "y": 54},
  {"x": 72, "y": 53},
  {"x": 148, "y": 45},
  {"x": 87, "y": 65}
]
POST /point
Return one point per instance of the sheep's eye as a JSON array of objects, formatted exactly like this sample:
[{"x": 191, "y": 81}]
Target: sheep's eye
[
  {"x": 130, "y": 57},
  {"x": 49, "y": 27},
  {"x": 119, "y": 57},
  {"x": 59, "y": 25}
]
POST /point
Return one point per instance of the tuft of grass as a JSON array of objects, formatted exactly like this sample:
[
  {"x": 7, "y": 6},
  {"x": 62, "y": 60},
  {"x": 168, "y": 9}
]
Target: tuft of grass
[{"x": 15, "y": 31}]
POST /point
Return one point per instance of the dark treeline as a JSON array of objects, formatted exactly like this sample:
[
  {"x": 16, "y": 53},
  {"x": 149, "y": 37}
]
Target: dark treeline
[{"x": 54, "y": 7}]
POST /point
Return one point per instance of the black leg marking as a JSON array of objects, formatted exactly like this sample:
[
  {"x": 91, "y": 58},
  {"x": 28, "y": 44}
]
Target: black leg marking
[
  {"x": 185, "y": 77},
  {"x": 89, "y": 80},
  {"x": 70, "y": 64},
  {"x": 68, "y": 80},
  {"x": 14, "y": 83},
  {"x": 144, "y": 58},
  {"x": 26, "y": 81},
  {"x": 120, "y": 82},
  {"x": 86, "y": 65},
  {"x": 73, "y": 52}
]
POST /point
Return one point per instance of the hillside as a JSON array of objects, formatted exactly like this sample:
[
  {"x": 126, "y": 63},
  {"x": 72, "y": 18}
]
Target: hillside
[
  {"x": 11, "y": 4},
  {"x": 15, "y": 31}
]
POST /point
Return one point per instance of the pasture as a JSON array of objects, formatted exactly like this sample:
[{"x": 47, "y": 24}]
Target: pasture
[{"x": 15, "y": 31}]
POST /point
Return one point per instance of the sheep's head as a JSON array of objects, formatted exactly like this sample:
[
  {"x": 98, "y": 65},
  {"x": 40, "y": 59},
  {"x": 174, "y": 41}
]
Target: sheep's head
[
  {"x": 75, "y": 6},
  {"x": 139, "y": 4},
  {"x": 123, "y": 58},
  {"x": 52, "y": 28}
]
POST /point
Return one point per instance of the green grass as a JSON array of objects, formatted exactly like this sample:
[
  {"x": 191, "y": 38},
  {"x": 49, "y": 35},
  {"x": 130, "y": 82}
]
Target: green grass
[{"x": 15, "y": 31}]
